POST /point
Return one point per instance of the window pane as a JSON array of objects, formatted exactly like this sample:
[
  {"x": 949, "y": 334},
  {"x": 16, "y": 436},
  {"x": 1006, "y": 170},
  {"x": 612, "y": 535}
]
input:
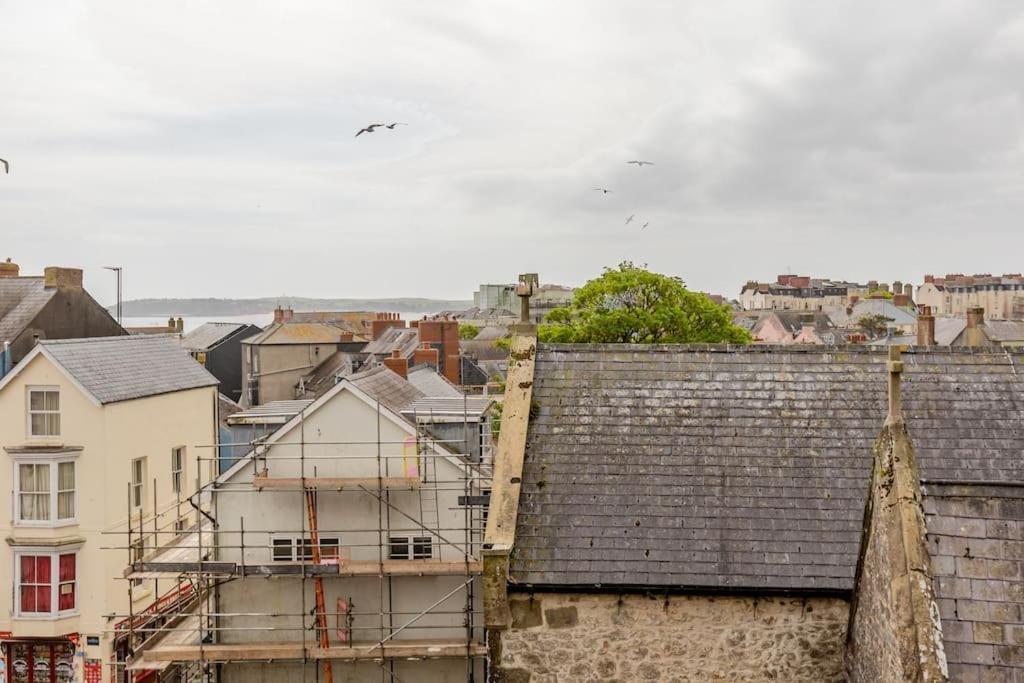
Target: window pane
[
  {"x": 67, "y": 567},
  {"x": 35, "y": 400},
  {"x": 43, "y": 569},
  {"x": 399, "y": 548},
  {"x": 66, "y": 476},
  {"x": 66, "y": 505},
  {"x": 52, "y": 400},
  {"x": 28, "y": 599},
  {"x": 38, "y": 424},
  {"x": 282, "y": 549},
  {"x": 53, "y": 424},
  {"x": 28, "y": 569}
]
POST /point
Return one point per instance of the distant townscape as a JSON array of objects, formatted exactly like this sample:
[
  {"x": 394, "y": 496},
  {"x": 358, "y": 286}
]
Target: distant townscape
[{"x": 492, "y": 491}]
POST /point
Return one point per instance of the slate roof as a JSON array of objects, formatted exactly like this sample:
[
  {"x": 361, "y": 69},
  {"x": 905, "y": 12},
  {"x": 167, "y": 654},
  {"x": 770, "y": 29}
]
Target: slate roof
[
  {"x": 386, "y": 386},
  {"x": 463, "y": 407},
  {"x": 1004, "y": 330},
  {"x": 21, "y": 299},
  {"x": 300, "y": 333},
  {"x": 405, "y": 339},
  {"x": 116, "y": 369},
  {"x": 272, "y": 412},
  {"x": 325, "y": 375},
  {"x": 793, "y": 321},
  {"x": 431, "y": 383},
  {"x": 209, "y": 335},
  {"x": 739, "y": 468}
]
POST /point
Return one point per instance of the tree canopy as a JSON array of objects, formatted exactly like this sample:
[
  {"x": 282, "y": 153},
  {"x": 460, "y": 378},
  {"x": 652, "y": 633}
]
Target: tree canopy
[
  {"x": 467, "y": 331},
  {"x": 630, "y": 304}
]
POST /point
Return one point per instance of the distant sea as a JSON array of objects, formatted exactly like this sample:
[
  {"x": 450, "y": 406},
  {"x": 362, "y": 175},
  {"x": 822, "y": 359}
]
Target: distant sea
[{"x": 191, "y": 322}]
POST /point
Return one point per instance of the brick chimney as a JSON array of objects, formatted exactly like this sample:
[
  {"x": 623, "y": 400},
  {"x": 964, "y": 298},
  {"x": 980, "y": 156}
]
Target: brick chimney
[
  {"x": 908, "y": 291},
  {"x": 872, "y": 285},
  {"x": 384, "y": 322},
  {"x": 426, "y": 355},
  {"x": 8, "y": 269},
  {"x": 974, "y": 335},
  {"x": 62, "y": 278},
  {"x": 926, "y": 327},
  {"x": 929, "y": 279},
  {"x": 397, "y": 364},
  {"x": 283, "y": 315},
  {"x": 179, "y": 326},
  {"x": 897, "y": 287},
  {"x": 900, "y": 300},
  {"x": 443, "y": 335},
  {"x": 171, "y": 325}
]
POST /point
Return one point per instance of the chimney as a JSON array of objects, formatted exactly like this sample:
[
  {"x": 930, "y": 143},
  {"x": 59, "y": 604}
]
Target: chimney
[
  {"x": 897, "y": 287},
  {"x": 62, "y": 278},
  {"x": 8, "y": 269},
  {"x": 443, "y": 335},
  {"x": 427, "y": 355},
  {"x": 908, "y": 291},
  {"x": 929, "y": 279},
  {"x": 383, "y": 322},
  {"x": 872, "y": 285},
  {"x": 974, "y": 335},
  {"x": 397, "y": 364},
  {"x": 883, "y": 286},
  {"x": 926, "y": 327},
  {"x": 179, "y": 327},
  {"x": 900, "y": 300},
  {"x": 171, "y": 325},
  {"x": 283, "y": 315}
]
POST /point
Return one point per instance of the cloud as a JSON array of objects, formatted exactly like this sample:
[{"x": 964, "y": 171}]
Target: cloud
[{"x": 850, "y": 139}]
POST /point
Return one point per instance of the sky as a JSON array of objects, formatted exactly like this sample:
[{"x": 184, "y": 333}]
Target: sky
[{"x": 209, "y": 148}]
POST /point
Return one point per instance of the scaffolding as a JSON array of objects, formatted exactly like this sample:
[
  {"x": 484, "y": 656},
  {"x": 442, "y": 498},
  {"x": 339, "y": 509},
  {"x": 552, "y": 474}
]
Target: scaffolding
[{"x": 433, "y": 489}]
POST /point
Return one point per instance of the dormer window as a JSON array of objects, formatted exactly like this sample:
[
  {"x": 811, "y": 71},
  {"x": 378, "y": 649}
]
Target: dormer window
[{"x": 43, "y": 412}]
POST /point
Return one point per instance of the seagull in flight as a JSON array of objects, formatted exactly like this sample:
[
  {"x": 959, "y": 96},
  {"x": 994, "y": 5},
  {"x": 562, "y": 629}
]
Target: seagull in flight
[
  {"x": 391, "y": 126},
  {"x": 639, "y": 163},
  {"x": 369, "y": 128},
  {"x": 630, "y": 219},
  {"x": 603, "y": 190},
  {"x": 645, "y": 225},
  {"x": 7, "y": 166}
]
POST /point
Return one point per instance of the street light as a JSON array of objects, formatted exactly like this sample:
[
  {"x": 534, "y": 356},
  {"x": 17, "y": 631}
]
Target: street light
[{"x": 117, "y": 270}]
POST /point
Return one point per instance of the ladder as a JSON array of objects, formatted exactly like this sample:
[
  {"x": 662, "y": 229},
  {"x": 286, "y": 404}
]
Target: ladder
[{"x": 318, "y": 584}]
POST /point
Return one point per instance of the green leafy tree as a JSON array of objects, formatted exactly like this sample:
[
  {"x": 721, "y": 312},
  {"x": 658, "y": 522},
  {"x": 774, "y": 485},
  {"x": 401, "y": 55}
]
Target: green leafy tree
[
  {"x": 879, "y": 294},
  {"x": 631, "y": 304},
  {"x": 874, "y": 325},
  {"x": 467, "y": 331}
]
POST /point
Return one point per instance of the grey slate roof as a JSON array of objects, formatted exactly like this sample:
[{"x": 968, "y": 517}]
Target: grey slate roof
[
  {"x": 384, "y": 385},
  {"x": 463, "y": 408},
  {"x": 404, "y": 339},
  {"x": 273, "y": 412},
  {"x": 21, "y": 299},
  {"x": 738, "y": 468},
  {"x": 977, "y": 556},
  {"x": 122, "y": 368},
  {"x": 208, "y": 335},
  {"x": 431, "y": 383}
]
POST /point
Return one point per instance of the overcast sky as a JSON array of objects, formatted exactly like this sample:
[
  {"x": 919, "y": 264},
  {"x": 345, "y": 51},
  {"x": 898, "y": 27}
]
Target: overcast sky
[{"x": 208, "y": 147}]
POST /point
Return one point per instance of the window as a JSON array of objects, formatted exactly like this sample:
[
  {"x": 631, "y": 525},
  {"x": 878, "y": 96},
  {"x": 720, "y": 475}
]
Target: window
[
  {"x": 138, "y": 477},
  {"x": 43, "y": 411},
  {"x": 45, "y": 492},
  {"x": 294, "y": 549},
  {"x": 47, "y": 583},
  {"x": 415, "y": 547},
  {"x": 177, "y": 468}
]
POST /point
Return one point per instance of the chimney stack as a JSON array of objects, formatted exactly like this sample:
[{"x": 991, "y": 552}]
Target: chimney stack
[
  {"x": 397, "y": 364},
  {"x": 900, "y": 300},
  {"x": 897, "y": 287},
  {"x": 383, "y": 322},
  {"x": 926, "y": 327},
  {"x": 974, "y": 335},
  {"x": 8, "y": 269},
  {"x": 427, "y": 355},
  {"x": 179, "y": 326},
  {"x": 171, "y": 325},
  {"x": 62, "y": 278},
  {"x": 929, "y": 279},
  {"x": 283, "y": 315},
  {"x": 908, "y": 291}
]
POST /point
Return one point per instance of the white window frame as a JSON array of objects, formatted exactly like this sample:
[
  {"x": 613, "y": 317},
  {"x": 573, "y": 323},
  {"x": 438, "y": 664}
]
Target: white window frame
[
  {"x": 409, "y": 543},
  {"x": 141, "y": 485},
  {"x": 296, "y": 546},
  {"x": 54, "y": 554},
  {"x": 178, "y": 469},
  {"x": 29, "y": 390},
  {"x": 54, "y": 462}
]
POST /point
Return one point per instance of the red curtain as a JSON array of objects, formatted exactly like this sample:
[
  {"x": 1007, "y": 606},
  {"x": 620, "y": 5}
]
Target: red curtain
[{"x": 35, "y": 583}]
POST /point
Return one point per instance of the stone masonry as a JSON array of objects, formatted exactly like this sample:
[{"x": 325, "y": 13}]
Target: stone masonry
[{"x": 585, "y": 637}]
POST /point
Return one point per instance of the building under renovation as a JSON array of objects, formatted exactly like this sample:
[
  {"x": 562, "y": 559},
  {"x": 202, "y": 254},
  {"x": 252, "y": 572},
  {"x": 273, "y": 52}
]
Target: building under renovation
[{"x": 344, "y": 546}]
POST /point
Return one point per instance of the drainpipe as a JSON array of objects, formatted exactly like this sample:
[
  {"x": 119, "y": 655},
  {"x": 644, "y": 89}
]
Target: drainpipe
[{"x": 5, "y": 359}]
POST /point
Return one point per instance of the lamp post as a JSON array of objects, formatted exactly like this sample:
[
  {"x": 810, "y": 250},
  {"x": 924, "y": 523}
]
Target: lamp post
[{"x": 117, "y": 271}]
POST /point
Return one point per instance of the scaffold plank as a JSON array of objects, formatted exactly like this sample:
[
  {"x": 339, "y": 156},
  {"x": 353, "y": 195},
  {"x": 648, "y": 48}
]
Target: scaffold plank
[
  {"x": 395, "y": 649},
  {"x": 336, "y": 483},
  {"x": 342, "y": 570}
]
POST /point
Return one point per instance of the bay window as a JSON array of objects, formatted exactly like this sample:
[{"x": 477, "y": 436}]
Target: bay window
[
  {"x": 44, "y": 492},
  {"x": 46, "y": 582}
]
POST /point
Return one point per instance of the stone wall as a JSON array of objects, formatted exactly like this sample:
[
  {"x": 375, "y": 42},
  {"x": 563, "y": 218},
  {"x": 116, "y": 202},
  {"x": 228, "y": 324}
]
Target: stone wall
[{"x": 601, "y": 637}]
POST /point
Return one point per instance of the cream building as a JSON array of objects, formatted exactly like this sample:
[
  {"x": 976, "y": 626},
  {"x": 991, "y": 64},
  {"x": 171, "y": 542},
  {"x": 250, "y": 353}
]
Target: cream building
[
  {"x": 348, "y": 540},
  {"x": 95, "y": 432},
  {"x": 1002, "y": 297}
]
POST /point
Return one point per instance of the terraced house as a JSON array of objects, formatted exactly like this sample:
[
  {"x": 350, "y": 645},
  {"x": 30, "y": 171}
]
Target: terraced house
[{"x": 96, "y": 434}]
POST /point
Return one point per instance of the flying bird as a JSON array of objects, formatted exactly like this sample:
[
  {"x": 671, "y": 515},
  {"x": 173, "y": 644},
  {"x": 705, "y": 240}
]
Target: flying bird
[
  {"x": 7, "y": 166},
  {"x": 645, "y": 225},
  {"x": 602, "y": 190},
  {"x": 639, "y": 163},
  {"x": 630, "y": 219},
  {"x": 391, "y": 126},
  {"x": 369, "y": 128}
]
